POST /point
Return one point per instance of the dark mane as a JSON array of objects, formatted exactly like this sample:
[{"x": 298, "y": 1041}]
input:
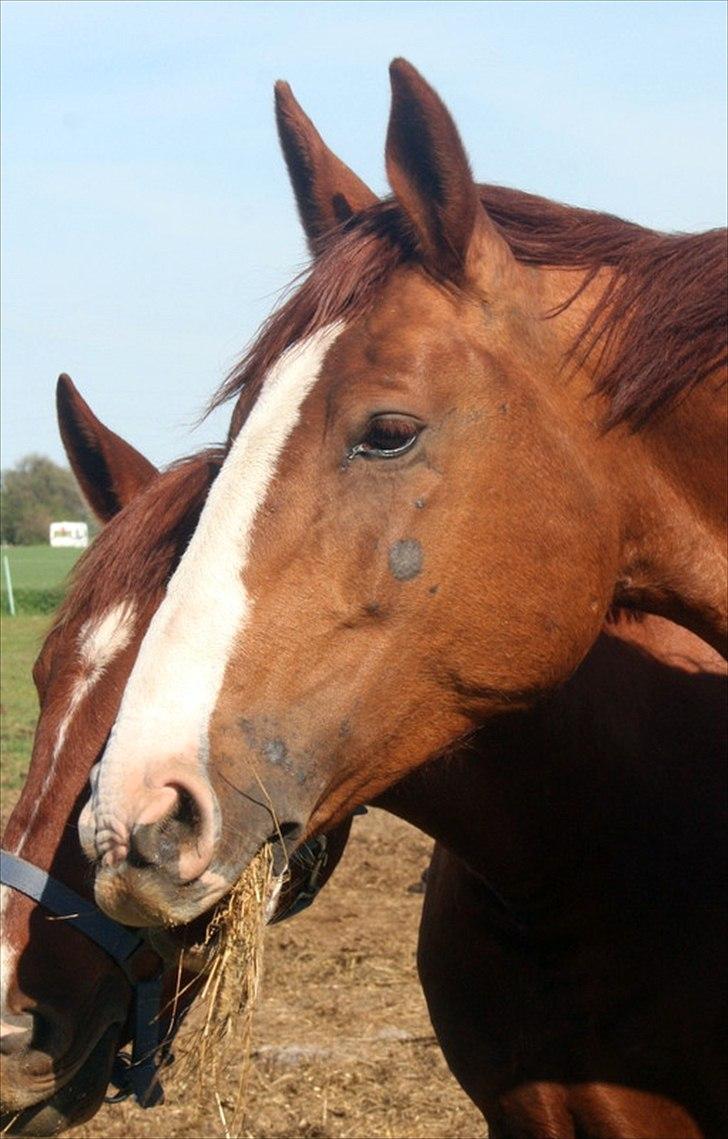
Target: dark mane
[
  {"x": 136, "y": 553},
  {"x": 659, "y": 327}
]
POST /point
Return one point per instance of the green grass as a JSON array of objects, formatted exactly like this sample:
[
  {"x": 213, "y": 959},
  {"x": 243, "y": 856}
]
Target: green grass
[
  {"x": 39, "y": 567},
  {"x": 20, "y": 638}
]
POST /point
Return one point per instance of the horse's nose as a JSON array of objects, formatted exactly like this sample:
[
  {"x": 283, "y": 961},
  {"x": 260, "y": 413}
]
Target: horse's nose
[
  {"x": 16, "y": 1032},
  {"x": 174, "y": 830}
]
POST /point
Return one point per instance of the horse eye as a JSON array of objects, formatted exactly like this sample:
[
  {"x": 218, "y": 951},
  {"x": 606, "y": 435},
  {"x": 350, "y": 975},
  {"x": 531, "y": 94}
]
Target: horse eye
[{"x": 387, "y": 436}]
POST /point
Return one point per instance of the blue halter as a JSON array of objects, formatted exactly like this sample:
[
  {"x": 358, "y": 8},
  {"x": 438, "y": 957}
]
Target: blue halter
[{"x": 138, "y": 1076}]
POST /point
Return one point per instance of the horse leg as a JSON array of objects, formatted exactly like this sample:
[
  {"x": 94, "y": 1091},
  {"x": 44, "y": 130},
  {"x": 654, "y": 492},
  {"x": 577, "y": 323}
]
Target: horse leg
[{"x": 456, "y": 976}]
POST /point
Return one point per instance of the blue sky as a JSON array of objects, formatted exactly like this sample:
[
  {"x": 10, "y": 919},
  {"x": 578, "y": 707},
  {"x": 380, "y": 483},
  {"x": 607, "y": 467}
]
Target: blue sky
[{"x": 148, "y": 224}]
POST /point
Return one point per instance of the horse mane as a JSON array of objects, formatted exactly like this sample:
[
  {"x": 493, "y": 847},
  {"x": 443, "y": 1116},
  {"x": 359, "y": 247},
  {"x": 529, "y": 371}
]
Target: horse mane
[
  {"x": 658, "y": 327},
  {"x": 136, "y": 553}
]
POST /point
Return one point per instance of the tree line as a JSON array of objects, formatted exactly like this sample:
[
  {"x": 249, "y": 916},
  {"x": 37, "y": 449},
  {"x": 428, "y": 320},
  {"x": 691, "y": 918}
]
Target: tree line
[{"x": 34, "y": 493}]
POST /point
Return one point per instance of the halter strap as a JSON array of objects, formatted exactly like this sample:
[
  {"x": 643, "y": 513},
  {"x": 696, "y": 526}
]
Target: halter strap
[
  {"x": 314, "y": 852},
  {"x": 121, "y": 944},
  {"x": 139, "y": 1077}
]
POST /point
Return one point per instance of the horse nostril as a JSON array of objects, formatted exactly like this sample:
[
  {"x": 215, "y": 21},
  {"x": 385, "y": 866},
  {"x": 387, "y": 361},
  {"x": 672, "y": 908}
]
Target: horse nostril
[
  {"x": 144, "y": 846},
  {"x": 175, "y": 832}
]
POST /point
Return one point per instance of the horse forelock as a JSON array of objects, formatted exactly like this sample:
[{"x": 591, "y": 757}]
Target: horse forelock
[
  {"x": 344, "y": 281},
  {"x": 658, "y": 327}
]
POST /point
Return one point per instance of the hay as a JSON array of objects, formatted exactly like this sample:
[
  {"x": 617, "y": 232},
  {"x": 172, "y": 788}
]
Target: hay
[{"x": 233, "y": 950}]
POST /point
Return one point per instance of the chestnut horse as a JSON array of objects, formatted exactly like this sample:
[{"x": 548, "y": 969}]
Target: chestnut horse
[
  {"x": 563, "y": 890},
  {"x": 68, "y": 1006},
  {"x": 573, "y": 943},
  {"x": 482, "y": 420},
  {"x": 518, "y": 1073}
]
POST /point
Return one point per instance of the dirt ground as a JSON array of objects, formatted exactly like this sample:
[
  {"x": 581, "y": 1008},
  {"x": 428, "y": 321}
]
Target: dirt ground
[{"x": 343, "y": 1044}]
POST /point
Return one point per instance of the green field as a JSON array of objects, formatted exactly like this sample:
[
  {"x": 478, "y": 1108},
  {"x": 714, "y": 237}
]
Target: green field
[
  {"x": 38, "y": 567},
  {"x": 21, "y": 638},
  {"x": 32, "y": 568}
]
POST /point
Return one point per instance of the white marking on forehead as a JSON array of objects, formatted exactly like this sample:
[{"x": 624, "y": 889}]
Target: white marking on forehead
[
  {"x": 99, "y": 640},
  {"x": 175, "y": 682}
]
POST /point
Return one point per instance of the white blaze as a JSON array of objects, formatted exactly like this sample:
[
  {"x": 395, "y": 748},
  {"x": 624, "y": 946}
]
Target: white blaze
[
  {"x": 99, "y": 640},
  {"x": 174, "y": 685}
]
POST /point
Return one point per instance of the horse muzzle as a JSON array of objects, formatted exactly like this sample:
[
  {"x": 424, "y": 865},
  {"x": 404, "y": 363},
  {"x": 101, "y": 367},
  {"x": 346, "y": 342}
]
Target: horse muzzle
[
  {"x": 32, "y": 1101},
  {"x": 169, "y": 822},
  {"x": 167, "y": 844},
  {"x": 153, "y": 842},
  {"x": 146, "y": 897}
]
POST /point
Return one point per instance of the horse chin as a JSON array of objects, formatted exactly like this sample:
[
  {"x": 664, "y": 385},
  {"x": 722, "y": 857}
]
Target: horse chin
[
  {"x": 139, "y": 897},
  {"x": 75, "y": 1102}
]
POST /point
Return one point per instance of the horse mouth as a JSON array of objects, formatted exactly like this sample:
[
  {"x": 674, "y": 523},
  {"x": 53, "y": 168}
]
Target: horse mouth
[
  {"x": 73, "y": 1103},
  {"x": 139, "y": 897}
]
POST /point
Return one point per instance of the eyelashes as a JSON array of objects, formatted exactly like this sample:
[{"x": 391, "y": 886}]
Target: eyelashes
[{"x": 387, "y": 436}]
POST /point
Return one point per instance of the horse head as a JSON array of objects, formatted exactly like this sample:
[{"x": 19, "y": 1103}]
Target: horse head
[
  {"x": 67, "y": 1005},
  {"x": 430, "y": 500}
]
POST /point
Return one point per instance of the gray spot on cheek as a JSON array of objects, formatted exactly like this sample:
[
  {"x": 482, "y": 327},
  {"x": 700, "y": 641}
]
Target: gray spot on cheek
[{"x": 405, "y": 559}]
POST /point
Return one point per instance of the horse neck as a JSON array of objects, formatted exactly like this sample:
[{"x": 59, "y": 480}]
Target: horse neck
[
  {"x": 672, "y": 482},
  {"x": 478, "y": 802},
  {"x": 662, "y": 487},
  {"x": 543, "y": 804}
]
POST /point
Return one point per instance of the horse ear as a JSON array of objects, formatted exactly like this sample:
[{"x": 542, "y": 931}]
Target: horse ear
[
  {"x": 109, "y": 470},
  {"x": 327, "y": 192},
  {"x": 429, "y": 172}
]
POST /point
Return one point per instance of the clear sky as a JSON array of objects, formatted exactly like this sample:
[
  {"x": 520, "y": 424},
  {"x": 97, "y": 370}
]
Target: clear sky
[{"x": 148, "y": 224}]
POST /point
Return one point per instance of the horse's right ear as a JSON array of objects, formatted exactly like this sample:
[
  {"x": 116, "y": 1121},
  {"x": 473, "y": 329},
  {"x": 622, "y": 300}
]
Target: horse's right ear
[
  {"x": 327, "y": 192},
  {"x": 109, "y": 470},
  {"x": 429, "y": 172}
]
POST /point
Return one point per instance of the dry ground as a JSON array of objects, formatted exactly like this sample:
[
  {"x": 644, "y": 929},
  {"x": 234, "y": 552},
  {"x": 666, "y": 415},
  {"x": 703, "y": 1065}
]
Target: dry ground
[{"x": 343, "y": 1043}]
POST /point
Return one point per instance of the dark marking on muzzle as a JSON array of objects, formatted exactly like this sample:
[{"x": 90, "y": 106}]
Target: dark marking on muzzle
[{"x": 273, "y": 749}]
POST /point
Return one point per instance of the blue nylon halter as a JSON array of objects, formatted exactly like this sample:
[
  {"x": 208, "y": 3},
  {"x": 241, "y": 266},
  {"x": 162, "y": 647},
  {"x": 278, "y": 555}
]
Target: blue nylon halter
[{"x": 141, "y": 1076}]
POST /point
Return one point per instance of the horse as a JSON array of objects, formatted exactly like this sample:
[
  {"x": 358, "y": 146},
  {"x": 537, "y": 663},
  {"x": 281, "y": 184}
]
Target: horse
[
  {"x": 481, "y": 422},
  {"x": 77, "y": 989},
  {"x": 572, "y": 946},
  {"x": 276, "y": 436},
  {"x": 535, "y": 927}
]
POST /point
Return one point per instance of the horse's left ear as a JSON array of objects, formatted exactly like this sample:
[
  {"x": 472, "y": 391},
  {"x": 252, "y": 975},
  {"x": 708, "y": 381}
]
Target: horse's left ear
[
  {"x": 109, "y": 470},
  {"x": 429, "y": 172},
  {"x": 327, "y": 192}
]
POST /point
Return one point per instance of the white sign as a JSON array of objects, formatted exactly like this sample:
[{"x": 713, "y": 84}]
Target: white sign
[{"x": 69, "y": 534}]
